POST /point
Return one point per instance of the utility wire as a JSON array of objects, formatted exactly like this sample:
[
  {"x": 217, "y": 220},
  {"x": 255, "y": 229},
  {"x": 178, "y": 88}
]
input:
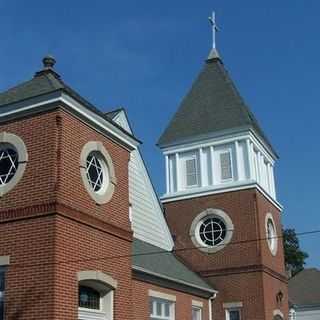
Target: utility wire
[{"x": 25, "y": 265}]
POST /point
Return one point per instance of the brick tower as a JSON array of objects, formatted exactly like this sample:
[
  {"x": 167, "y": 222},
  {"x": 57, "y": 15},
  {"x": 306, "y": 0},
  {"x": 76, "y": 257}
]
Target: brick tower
[
  {"x": 220, "y": 198},
  {"x": 64, "y": 204}
]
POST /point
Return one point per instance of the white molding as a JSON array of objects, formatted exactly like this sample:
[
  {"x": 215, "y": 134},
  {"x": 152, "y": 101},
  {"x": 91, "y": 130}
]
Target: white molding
[
  {"x": 167, "y": 174},
  {"x": 249, "y": 184},
  {"x": 268, "y": 217},
  {"x": 162, "y": 295},
  {"x": 208, "y": 140},
  {"x": 80, "y": 109},
  {"x": 278, "y": 312},
  {"x": 212, "y": 165},
  {"x": 196, "y": 303},
  {"x": 97, "y": 276},
  {"x": 158, "y": 275},
  {"x": 4, "y": 260},
  {"x": 231, "y": 305}
]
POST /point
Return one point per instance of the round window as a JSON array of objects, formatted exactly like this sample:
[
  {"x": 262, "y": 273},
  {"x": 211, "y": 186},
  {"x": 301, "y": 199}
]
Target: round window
[
  {"x": 271, "y": 234},
  {"x": 97, "y": 172},
  {"x": 13, "y": 161},
  {"x": 8, "y": 163},
  {"x": 211, "y": 230}
]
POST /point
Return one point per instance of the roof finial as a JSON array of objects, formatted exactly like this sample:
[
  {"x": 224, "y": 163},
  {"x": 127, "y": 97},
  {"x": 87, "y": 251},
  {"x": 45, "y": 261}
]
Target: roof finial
[
  {"x": 48, "y": 62},
  {"x": 213, "y": 53},
  {"x": 215, "y": 29}
]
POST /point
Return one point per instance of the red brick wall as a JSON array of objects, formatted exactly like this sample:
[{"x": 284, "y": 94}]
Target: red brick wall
[
  {"x": 183, "y": 304},
  {"x": 238, "y": 270},
  {"x": 30, "y": 276},
  {"x": 49, "y": 219},
  {"x": 37, "y": 185},
  {"x": 85, "y": 248}
]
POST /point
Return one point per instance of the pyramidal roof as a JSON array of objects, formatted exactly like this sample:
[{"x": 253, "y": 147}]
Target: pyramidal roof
[{"x": 212, "y": 105}]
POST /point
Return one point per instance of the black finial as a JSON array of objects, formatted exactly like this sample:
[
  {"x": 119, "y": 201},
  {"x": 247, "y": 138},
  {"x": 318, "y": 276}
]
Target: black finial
[{"x": 48, "y": 62}]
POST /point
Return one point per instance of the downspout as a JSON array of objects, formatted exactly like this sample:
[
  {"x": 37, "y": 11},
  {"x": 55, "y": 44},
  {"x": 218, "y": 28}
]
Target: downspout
[{"x": 210, "y": 304}]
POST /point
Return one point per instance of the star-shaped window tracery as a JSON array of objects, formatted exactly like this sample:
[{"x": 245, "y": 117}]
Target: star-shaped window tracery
[
  {"x": 8, "y": 165},
  {"x": 94, "y": 172}
]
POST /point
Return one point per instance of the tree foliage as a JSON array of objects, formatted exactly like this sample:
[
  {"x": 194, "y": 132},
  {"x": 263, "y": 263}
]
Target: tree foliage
[{"x": 294, "y": 256}]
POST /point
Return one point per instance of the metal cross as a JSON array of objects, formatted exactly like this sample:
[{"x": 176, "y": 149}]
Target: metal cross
[{"x": 212, "y": 20}]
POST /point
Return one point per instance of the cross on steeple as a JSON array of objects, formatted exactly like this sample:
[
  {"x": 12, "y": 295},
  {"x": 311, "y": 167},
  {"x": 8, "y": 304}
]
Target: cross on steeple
[
  {"x": 212, "y": 20},
  {"x": 213, "y": 55}
]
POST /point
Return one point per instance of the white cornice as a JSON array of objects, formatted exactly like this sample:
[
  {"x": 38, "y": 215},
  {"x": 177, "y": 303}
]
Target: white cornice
[
  {"x": 103, "y": 125},
  {"x": 219, "y": 189},
  {"x": 221, "y": 137}
]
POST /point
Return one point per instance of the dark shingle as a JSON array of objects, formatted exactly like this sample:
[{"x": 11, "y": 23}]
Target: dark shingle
[
  {"x": 304, "y": 288},
  {"x": 213, "y": 104},
  {"x": 45, "y": 82},
  {"x": 159, "y": 261}
]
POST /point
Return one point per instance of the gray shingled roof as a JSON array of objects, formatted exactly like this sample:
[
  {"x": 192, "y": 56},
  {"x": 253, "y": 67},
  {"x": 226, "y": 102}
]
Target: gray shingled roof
[
  {"x": 213, "y": 104},
  {"x": 44, "y": 82},
  {"x": 304, "y": 288},
  {"x": 164, "y": 263}
]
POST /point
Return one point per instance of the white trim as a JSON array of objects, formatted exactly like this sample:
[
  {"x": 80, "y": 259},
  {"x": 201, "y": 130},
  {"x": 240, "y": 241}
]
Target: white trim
[
  {"x": 196, "y": 303},
  {"x": 76, "y": 106},
  {"x": 4, "y": 260},
  {"x": 250, "y": 184},
  {"x": 277, "y": 312},
  {"x": 250, "y": 162},
  {"x": 202, "y": 165},
  {"x": 97, "y": 276},
  {"x": 161, "y": 295},
  {"x": 198, "y": 220},
  {"x": 232, "y": 305},
  {"x": 158, "y": 275},
  {"x": 167, "y": 174},
  {"x": 275, "y": 238},
  {"x": 218, "y": 140},
  {"x": 212, "y": 165}
]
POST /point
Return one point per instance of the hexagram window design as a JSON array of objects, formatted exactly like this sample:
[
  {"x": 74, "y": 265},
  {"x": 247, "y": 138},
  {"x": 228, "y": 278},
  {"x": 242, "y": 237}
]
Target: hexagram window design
[{"x": 8, "y": 163}]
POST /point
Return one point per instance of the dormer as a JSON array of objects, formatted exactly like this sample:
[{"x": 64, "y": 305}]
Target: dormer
[{"x": 214, "y": 143}]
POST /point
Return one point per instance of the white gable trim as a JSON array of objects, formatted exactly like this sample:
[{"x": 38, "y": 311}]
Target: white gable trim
[
  {"x": 104, "y": 125},
  {"x": 148, "y": 222}
]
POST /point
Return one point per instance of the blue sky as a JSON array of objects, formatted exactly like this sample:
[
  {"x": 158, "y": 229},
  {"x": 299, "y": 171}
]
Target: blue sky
[{"x": 144, "y": 55}]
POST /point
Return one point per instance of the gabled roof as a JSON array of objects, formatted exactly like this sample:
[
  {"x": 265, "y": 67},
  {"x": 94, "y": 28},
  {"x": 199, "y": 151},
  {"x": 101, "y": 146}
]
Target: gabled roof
[
  {"x": 161, "y": 263},
  {"x": 212, "y": 105},
  {"x": 304, "y": 288},
  {"x": 148, "y": 221},
  {"x": 48, "y": 81}
]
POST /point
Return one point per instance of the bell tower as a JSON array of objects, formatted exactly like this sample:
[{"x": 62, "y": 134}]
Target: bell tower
[{"x": 220, "y": 197}]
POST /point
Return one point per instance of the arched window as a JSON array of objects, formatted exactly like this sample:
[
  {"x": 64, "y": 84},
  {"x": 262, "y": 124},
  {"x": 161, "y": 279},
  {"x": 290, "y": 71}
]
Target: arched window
[{"x": 96, "y": 294}]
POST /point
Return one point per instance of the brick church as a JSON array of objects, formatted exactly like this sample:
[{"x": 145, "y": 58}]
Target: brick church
[{"x": 83, "y": 234}]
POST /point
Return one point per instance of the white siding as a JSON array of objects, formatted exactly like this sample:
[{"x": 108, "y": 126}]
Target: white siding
[
  {"x": 308, "y": 315},
  {"x": 148, "y": 222}
]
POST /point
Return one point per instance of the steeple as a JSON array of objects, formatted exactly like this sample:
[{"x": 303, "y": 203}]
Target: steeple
[{"x": 214, "y": 142}]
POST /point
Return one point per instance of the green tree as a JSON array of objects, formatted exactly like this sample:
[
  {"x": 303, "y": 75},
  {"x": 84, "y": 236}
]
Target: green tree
[{"x": 293, "y": 255}]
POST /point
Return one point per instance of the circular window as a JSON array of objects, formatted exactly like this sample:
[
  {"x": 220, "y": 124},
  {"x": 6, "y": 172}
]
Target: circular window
[
  {"x": 211, "y": 230},
  {"x": 13, "y": 160},
  {"x": 271, "y": 234},
  {"x": 97, "y": 172},
  {"x": 8, "y": 163}
]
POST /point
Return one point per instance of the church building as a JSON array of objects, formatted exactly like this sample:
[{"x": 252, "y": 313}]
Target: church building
[{"x": 83, "y": 234}]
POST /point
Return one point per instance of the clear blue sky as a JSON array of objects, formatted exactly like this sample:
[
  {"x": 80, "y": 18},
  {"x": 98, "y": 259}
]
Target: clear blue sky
[{"x": 144, "y": 55}]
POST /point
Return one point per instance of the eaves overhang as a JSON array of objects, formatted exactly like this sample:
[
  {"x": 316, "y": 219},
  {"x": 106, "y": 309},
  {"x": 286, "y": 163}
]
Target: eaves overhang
[
  {"x": 59, "y": 98},
  {"x": 223, "y": 134},
  {"x": 171, "y": 283}
]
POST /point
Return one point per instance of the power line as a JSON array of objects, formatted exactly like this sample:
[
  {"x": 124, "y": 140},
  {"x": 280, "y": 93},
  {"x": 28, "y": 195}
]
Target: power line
[{"x": 24, "y": 265}]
